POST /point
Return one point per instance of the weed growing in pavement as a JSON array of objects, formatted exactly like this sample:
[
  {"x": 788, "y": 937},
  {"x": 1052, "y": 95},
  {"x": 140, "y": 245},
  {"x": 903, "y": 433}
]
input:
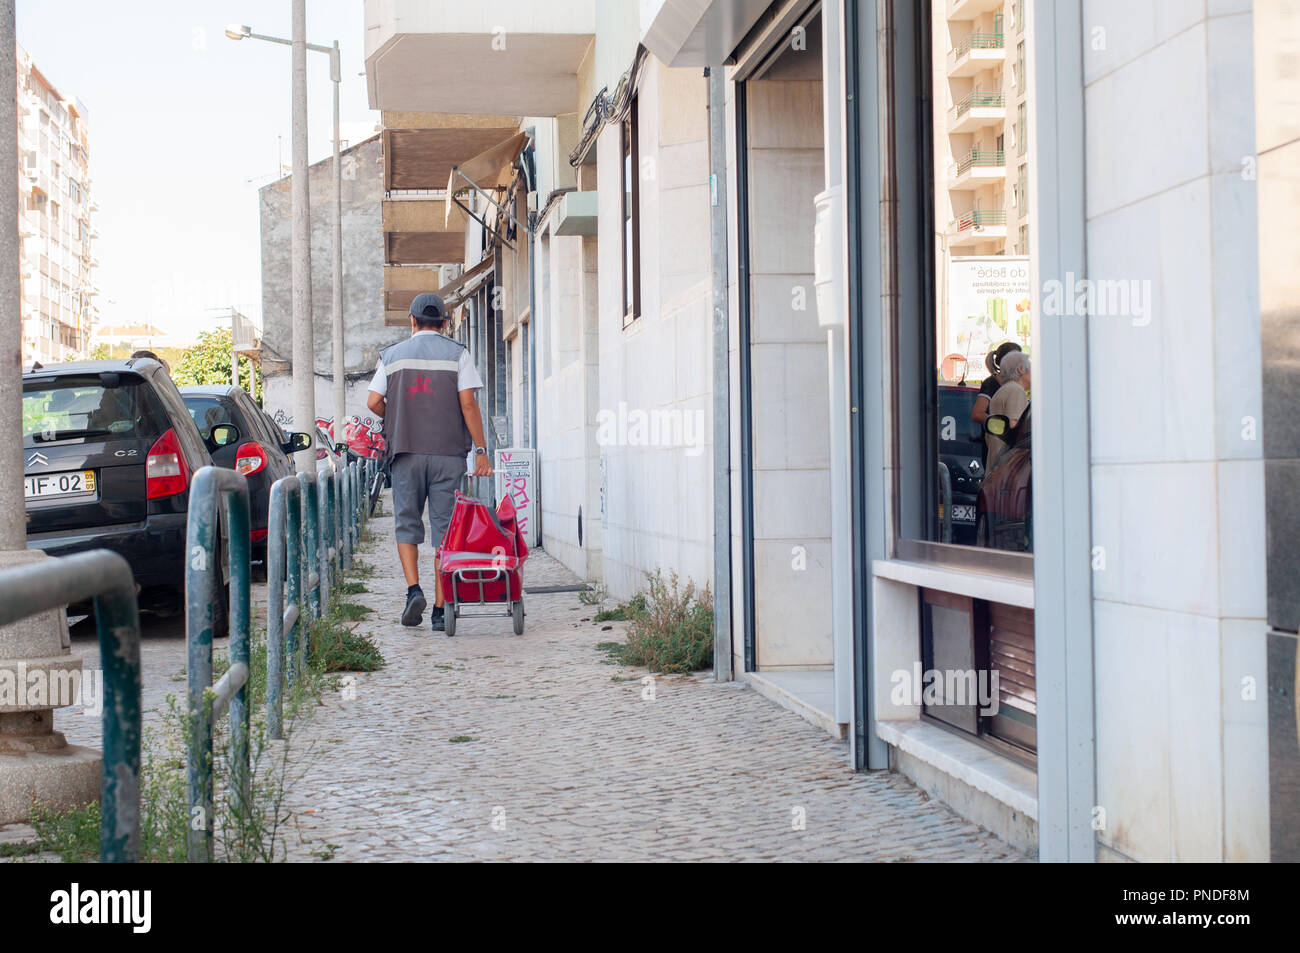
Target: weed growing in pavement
[
  {"x": 350, "y": 588},
  {"x": 351, "y": 611},
  {"x": 336, "y": 648},
  {"x": 22, "y": 848},
  {"x": 593, "y": 594},
  {"x": 624, "y": 611},
  {"x": 671, "y": 627}
]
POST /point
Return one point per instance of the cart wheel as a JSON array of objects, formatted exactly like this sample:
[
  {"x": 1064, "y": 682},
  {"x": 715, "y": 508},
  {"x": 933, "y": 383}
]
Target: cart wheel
[
  {"x": 449, "y": 618},
  {"x": 517, "y": 610}
]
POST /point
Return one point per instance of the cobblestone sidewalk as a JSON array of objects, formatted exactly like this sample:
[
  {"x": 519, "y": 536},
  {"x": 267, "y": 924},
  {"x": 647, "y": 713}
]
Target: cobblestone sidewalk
[{"x": 488, "y": 746}]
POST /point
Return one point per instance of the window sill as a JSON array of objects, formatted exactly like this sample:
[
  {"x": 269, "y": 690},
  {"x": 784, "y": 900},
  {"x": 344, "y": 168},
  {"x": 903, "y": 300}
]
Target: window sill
[
  {"x": 992, "y": 587},
  {"x": 1000, "y": 778}
]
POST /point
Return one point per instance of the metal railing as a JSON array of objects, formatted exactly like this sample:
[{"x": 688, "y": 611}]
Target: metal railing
[
  {"x": 301, "y": 522},
  {"x": 208, "y": 703},
  {"x": 981, "y": 158},
  {"x": 106, "y": 578},
  {"x": 300, "y": 561},
  {"x": 978, "y": 100},
  {"x": 978, "y": 41},
  {"x": 978, "y": 218}
]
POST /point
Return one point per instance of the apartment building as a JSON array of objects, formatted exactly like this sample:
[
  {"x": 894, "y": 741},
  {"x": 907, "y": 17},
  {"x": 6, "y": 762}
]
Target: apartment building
[
  {"x": 55, "y": 225},
  {"x": 762, "y": 212}
]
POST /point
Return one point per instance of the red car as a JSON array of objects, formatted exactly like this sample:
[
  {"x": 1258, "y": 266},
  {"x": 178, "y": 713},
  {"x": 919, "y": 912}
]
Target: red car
[{"x": 1005, "y": 508}]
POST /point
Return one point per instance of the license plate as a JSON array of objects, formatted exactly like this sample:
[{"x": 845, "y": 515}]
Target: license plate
[
  {"x": 963, "y": 513},
  {"x": 45, "y": 485}
]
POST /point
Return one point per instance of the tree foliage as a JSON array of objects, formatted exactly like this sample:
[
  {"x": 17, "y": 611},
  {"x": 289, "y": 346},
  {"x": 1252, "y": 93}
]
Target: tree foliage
[{"x": 208, "y": 362}]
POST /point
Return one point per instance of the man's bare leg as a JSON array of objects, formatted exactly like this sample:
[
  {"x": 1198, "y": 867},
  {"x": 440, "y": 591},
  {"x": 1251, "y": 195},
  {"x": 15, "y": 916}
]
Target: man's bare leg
[
  {"x": 409, "y": 554},
  {"x": 437, "y": 578}
]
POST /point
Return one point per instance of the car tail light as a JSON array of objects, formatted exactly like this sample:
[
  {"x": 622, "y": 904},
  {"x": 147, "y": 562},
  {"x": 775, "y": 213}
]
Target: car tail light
[
  {"x": 257, "y": 535},
  {"x": 250, "y": 459},
  {"x": 165, "y": 469}
]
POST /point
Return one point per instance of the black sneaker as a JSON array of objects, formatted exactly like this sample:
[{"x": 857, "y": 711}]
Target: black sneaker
[
  {"x": 415, "y": 603},
  {"x": 438, "y": 619}
]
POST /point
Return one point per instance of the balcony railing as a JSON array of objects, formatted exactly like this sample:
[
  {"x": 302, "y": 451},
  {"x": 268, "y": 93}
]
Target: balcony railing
[
  {"x": 983, "y": 159},
  {"x": 980, "y": 218},
  {"x": 979, "y": 41},
  {"x": 979, "y": 100}
]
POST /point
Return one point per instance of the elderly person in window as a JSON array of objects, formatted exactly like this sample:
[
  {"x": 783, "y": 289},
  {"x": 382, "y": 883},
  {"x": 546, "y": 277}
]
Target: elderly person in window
[{"x": 1011, "y": 399}]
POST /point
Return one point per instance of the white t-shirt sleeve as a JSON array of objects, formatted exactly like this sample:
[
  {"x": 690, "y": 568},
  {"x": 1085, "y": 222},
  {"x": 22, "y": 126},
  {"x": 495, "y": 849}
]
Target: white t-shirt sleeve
[
  {"x": 379, "y": 383},
  {"x": 466, "y": 373}
]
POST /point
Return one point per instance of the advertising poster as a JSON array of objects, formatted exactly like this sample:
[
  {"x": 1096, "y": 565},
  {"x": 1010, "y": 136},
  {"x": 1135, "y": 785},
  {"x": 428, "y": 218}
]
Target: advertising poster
[{"x": 989, "y": 302}]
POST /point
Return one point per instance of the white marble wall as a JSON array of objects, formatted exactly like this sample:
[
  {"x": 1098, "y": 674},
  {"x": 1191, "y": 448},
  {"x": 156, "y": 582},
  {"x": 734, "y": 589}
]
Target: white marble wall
[
  {"x": 1177, "y": 479},
  {"x": 791, "y": 452},
  {"x": 658, "y": 499},
  {"x": 565, "y": 401}
]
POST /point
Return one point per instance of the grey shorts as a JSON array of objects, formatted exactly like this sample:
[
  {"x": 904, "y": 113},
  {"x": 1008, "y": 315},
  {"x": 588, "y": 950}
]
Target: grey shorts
[{"x": 418, "y": 477}]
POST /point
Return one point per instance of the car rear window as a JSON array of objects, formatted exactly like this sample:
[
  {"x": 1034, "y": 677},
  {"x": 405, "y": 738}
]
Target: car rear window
[
  {"x": 955, "y": 406},
  {"x": 208, "y": 412},
  {"x": 92, "y": 405}
]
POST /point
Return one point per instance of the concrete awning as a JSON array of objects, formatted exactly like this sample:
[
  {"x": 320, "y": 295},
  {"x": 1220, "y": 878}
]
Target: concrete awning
[
  {"x": 577, "y": 213},
  {"x": 450, "y": 56},
  {"x": 701, "y": 32}
]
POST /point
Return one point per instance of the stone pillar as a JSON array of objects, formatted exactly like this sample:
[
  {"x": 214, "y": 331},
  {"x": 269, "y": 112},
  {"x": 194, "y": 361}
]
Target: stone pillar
[{"x": 36, "y": 763}]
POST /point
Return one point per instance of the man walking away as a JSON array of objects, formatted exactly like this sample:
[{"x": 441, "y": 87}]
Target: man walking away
[{"x": 424, "y": 388}]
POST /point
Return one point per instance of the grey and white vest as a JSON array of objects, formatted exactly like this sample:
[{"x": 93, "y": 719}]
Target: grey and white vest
[{"x": 423, "y": 412}]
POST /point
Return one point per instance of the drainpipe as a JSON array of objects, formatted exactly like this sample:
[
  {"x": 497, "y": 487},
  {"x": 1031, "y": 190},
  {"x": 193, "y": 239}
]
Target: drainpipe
[
  {"x": 36, "y": 762},
  {"x": 722, "y": 647}
]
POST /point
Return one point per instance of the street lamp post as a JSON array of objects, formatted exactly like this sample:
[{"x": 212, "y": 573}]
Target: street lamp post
[{"x": 336, "y": 76}]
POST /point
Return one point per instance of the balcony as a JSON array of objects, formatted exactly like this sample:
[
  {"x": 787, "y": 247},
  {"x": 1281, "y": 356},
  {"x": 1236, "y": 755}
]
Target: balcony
[
  {"x": 978, "y": 51},
  {"x": 977, "y": 225},
  {"x": 977, "y": 110},
  {"x": 976, "y": 168},
  {"x": 496, "y": 57}
]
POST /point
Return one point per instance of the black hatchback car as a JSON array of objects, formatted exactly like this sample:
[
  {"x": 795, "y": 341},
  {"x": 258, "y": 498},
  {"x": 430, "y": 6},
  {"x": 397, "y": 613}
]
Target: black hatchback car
[
  {"x": 261, "y": 453},
  {"x": 961, "y": 449},
  {"x": 109, "y": 452}
]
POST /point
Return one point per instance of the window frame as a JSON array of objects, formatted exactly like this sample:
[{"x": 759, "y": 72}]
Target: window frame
[{"x": 630, "y": 203}]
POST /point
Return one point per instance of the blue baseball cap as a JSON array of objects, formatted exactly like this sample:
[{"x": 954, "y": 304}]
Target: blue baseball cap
[{"x": 429, "y": 306}]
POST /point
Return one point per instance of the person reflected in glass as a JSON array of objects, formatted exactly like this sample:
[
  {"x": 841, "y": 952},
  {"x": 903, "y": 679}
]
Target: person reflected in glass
[{"x": 1010, "y": 400}]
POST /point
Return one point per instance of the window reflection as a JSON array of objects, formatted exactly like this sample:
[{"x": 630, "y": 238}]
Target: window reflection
[{"x": 982, "y": 87}]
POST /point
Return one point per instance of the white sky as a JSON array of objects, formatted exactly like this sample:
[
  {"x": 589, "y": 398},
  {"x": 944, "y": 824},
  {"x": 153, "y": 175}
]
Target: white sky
[{"x": 181, "y": 118}]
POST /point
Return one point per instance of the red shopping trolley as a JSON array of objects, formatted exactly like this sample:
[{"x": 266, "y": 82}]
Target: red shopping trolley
[{"x": 482, "y": 554}]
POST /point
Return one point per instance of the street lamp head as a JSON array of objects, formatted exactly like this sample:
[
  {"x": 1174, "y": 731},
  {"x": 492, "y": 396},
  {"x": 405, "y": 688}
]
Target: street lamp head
[{"x": 237, "y": 32}]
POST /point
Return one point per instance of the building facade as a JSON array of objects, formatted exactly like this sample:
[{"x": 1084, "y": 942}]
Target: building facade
[
  {"x": 757, "y": 253},
  {"x": 364, "y": 331},
  {"x": 56, "y": 220}
]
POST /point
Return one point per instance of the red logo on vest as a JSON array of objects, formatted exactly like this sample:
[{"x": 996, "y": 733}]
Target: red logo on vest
[{"x": 422, "y": 385}]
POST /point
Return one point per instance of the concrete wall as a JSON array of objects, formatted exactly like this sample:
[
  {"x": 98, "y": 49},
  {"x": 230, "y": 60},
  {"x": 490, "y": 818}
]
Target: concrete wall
[
  {"x": 1177, "y": 475},
  {"x": 566, "y": 399},
  {"x": 791, "y": 453},
  {"x": 363, "y": 262},
  {"x": 657, "y": 496}
]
